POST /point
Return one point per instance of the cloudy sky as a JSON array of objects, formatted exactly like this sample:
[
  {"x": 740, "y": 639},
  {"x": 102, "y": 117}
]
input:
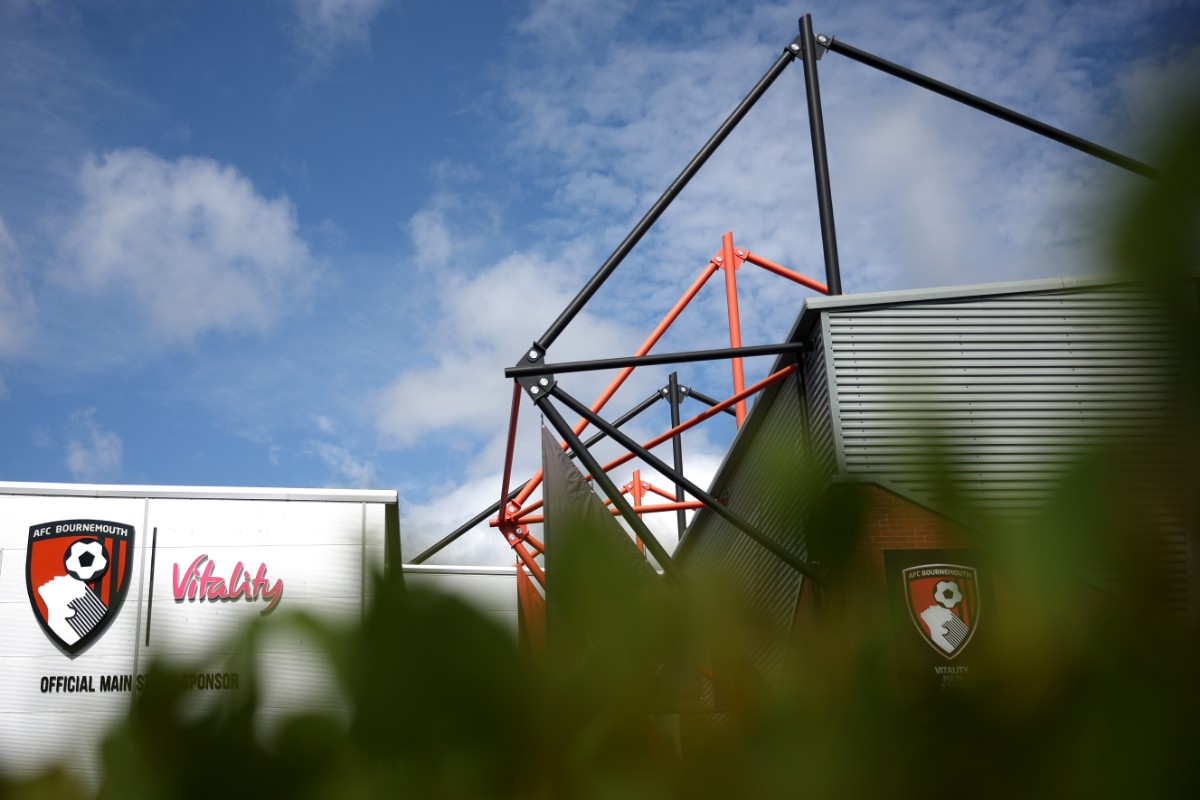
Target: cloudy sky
[{"x": 296, "y": 242}]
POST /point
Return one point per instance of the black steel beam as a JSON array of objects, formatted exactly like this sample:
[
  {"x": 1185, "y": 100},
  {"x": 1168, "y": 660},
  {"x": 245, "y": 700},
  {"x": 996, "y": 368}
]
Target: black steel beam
[
  {"x": 816, "y": 130},
  {"x": 675, "y": 399},
  {"x": 495, "y": 507},
  {"x": 621, "y": 420},
  {"x": 607, "y": 486},
  {"x": 466, "y": 526},
  {"x": 715, "y": 506},
  {"x": 994, "y": 109},
  {"x": 703, "y": 398},
  {"x": 647, "y": 221},
  {"x": 535, "y": 370}
]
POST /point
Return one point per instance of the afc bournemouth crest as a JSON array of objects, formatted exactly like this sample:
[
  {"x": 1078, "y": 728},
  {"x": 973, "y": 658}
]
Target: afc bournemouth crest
[
  {"x": 943, "y": 602},
  {"x": 77, "y": 574}
]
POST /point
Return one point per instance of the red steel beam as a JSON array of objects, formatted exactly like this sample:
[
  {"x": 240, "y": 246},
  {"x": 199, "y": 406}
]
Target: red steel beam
[
  {"x": 520, "y": 515},
  {"x": 528, "y": 561},
  {"x": 607, "y": 394},
  {"x": 771, "y": 266},
  {"x": 639, "y": 494},
  {"x": 516, "y": 538},
  {"x": 729, "y": 262},
  {"x": 705, "y": 414},
  {"x": 686, "y": 505},
  {"x": 651, "y": 487}
]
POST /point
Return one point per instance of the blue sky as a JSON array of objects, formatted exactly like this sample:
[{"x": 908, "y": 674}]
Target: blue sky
[{"x": 296, "y": 242}]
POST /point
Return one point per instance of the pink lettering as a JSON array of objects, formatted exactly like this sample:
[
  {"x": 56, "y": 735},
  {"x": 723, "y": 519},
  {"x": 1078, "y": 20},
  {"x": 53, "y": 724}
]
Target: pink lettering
[
  {"x": 189, "y": 577},
  {"x": 199, "y": 583},
  {"x": 271, "y": 593},
  {"x": 210, "y": 587}
]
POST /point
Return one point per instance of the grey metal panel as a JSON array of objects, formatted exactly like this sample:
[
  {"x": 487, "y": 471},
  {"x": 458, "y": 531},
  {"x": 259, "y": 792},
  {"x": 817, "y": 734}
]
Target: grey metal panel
[
  {"x": 1006, "y": 390},
  {"x": 824, "y": 344},
  {"x": 769, "y": 484},
  {"x": 994, "y": 290},
  {"x": 764, "y": 588},
  {"x": 1009, "y": 387},
  {"x": 823, "y": 434},
  {"x": 490, "y": 590}
]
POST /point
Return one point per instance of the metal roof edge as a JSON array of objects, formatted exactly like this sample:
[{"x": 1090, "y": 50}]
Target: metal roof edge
[
  {"x": 812, "y": 307},
  {"x": 1037, "y": 285},
  {"x": 199, "y": 492},
  {"x": 453, "y": 569}
]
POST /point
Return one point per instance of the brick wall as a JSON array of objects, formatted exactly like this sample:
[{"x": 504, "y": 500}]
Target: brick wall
[{"x": 859, "y": 523}]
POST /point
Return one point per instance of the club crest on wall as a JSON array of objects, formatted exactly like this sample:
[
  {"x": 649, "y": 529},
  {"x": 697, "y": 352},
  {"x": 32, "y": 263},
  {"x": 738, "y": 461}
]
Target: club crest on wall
[
  {"x": 943, "y": 604},
  {"x": 77, "y": 573}
]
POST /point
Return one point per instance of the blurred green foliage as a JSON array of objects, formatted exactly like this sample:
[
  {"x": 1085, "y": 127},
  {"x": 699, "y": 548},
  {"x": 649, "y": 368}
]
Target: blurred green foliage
[{"x": 1095, "y": 692}]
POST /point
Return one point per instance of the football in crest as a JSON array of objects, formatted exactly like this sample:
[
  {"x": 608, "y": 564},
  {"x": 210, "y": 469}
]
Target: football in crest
[{"x": 86, "y": 560}]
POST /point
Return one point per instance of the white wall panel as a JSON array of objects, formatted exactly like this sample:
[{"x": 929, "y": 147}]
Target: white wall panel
[
  {"x": 37, "y": 726},
  {"x": 319, "y": 547},
  {"x": 492, "y": 591}
]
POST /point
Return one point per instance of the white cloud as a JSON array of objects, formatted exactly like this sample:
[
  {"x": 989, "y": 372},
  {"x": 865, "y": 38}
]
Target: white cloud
[
  {"x": 96, "y": 454},
  {"x": 568, "y": 25},
  {"x": 16, "y": 301},
  {"x": 455, "y": 224},
  {"x": 189, "y": 243},
  {"x": 324, "y": 27},
  {"x": 424, "y": 523},
  {"x": 481, "y": 325},
  {"x": 349, "y": 471},
  {"x": 926, "y": 192},
  {"x": 430, "y": 236}
]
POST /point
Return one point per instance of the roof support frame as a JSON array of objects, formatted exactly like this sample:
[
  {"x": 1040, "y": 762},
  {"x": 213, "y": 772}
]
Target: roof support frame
[
  {"x": 807, "y": 48},
  {"x": 610, "y": 489},
  {"x": 538, "y": 370},
  {"x": 709, "y": 501}
]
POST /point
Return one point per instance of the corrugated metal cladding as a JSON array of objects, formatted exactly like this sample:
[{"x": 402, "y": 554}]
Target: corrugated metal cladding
[
  {"x": 822, "y": 439},
  {"x": 1007, "y": 385},
  {"x": 1008, "y": 390},
  {"x": 768, "y": 489}
]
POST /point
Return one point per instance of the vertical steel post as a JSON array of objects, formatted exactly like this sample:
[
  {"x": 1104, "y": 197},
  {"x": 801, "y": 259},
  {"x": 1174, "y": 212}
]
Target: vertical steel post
[
  {"x": 675, "y": 400},
  {"x": 729, "y": 264},
  {"x": 638, "y": 491},
  {"x": 601, "y": 479},
  {"x": 508, "y": 451},
  {"x": 816, "y": 128}
]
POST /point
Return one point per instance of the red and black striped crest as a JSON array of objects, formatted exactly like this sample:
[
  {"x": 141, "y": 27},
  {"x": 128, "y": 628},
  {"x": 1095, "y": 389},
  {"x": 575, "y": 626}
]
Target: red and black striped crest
[
  {"x": 77, "y": 572},
  {"x": 943, "y": 602}
]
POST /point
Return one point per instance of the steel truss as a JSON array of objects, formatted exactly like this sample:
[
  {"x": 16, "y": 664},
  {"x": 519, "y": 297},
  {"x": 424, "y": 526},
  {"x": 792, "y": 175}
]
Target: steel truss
[{"x": 536, "y": 378}]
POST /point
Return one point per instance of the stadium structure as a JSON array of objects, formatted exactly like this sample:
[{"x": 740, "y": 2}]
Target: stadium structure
[
  {"x": 887, "y": 429},
  {"x": 906, "y": 407}
]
